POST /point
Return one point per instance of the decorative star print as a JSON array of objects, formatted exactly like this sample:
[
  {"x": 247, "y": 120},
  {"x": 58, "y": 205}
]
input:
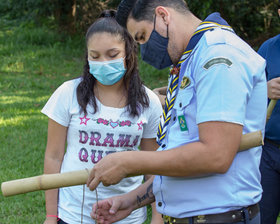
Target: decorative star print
[
  {"x": 84, "y": 120},
  {"x": 140, "y": 125}
]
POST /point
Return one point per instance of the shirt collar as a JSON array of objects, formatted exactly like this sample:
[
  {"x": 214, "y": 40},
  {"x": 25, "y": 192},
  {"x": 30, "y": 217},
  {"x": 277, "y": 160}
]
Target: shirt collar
[{"x": 214, "y": 18}]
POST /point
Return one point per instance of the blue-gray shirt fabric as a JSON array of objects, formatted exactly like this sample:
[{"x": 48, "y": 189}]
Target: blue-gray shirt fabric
[
  {"x": 270, "y": 50},
  {"x": 227, "y": 83}
]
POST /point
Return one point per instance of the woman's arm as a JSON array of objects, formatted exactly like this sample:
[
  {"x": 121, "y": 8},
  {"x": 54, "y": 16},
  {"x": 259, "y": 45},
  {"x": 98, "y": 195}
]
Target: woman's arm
[
  {"x": 53, "y": 159},
  {"x": 161, "y": 93}
]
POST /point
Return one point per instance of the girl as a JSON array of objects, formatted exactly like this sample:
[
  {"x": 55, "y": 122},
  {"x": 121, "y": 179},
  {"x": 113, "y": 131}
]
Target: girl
[{"x": 106, "y": 110}]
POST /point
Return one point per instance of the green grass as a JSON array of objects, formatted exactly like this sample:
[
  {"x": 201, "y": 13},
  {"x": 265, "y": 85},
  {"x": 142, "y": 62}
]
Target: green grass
[{"x": 33, "y": 63}]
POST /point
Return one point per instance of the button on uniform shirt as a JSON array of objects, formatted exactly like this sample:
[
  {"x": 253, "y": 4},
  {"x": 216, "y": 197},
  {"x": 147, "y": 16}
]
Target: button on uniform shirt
[
  {"x": 222, "y": 80},
  {"x": 270, "y": 50}
]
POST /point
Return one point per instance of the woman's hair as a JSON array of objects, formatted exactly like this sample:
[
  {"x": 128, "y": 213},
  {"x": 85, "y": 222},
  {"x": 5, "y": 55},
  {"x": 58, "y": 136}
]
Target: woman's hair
[{"x": 137, "y": 98}]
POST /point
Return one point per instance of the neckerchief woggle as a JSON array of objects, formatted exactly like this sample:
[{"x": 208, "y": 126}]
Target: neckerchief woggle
[{"x": 212, "y": 21}]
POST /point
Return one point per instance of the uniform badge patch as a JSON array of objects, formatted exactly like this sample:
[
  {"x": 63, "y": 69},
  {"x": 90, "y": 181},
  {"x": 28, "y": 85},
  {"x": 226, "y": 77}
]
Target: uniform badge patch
[
  {"x": 183, "y": 123},
  {"x": 185, "y": 82},
  {"x": 216, "y": 61}
]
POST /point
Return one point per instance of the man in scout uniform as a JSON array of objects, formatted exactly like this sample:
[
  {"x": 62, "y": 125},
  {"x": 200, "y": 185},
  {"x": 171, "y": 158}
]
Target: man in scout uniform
[
  {"x": 217, "y": 92},
  {"x": 270, "y": 161}
]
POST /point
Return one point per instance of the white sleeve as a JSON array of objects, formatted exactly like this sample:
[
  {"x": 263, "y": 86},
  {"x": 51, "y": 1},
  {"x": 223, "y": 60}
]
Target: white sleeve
[
  {"x": 154, "y": 113},
  {"x": 58, "y": 106}
]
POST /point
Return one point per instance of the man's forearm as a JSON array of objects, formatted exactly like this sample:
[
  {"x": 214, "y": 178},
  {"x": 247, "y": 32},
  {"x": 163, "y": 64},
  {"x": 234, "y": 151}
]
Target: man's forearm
[
  {"x": 176, "y": 162},
  {"x": 143, "y": 195},
  {"x": 214, "y": 153},
  {"x": 147, "y": 197}
]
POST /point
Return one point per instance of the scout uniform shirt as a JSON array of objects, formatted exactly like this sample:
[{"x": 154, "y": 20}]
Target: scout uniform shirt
[{"x": 224, "y": 80}]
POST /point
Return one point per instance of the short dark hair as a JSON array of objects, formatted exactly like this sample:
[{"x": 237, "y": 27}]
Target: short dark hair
[{"x": 145, "y": 9}]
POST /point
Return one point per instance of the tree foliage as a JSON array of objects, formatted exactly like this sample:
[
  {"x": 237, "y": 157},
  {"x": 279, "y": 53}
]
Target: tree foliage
[{"x": 253, "y": 20}]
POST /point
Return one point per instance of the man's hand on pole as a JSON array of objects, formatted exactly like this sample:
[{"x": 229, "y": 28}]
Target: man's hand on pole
[{"x": 110, "y": 170}]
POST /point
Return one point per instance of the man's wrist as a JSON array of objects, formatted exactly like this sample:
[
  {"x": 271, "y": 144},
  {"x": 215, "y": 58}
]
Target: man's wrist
[{"x": 129, "y": 163}]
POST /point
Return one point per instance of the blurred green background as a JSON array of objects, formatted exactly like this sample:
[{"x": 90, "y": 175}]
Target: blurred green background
[{"x": 42, "y": 45}]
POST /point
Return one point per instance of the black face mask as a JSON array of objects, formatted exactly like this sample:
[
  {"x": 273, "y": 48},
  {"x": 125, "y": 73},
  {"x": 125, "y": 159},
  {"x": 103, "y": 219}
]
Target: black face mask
[{"x": 154, "y": 51}]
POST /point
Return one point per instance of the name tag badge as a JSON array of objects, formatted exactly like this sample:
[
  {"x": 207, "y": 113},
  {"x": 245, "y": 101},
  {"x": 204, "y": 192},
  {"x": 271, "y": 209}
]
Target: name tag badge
[{"x": 183, "y": 123}]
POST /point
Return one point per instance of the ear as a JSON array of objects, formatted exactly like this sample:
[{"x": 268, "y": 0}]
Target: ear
[
  {"x": 164, "y": 13},
  {"x": 279, "y": 12}
]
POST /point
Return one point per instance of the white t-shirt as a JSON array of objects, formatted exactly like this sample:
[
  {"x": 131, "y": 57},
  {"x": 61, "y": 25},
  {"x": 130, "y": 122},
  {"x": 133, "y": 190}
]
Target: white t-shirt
[{"x": 90, "y": 138}]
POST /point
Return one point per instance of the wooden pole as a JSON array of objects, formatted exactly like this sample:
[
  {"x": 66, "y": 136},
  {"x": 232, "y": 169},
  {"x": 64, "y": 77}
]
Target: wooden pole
[
  {"x": 270, "y": 109},
  {"x": 44, "y": 182},
  {"x": 251, "y": 140},
  {"x": 52, "y": 181}
]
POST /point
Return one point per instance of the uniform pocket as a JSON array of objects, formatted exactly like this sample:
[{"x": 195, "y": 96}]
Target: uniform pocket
[
  {"x": 182, "y": 106},
  {"x": 183, "y": 99}
]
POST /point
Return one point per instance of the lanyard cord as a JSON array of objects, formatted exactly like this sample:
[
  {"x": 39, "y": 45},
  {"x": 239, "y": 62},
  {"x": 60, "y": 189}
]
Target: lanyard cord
[
  {"x": 83, "y": 201},
  {"x": 82, "y": 209}
]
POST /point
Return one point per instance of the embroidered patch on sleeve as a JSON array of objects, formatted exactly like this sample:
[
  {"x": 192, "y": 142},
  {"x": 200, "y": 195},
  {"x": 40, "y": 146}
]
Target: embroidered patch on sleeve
[
  {"x": 185, "y": 82},
  {"x": 216, "y": 61}
]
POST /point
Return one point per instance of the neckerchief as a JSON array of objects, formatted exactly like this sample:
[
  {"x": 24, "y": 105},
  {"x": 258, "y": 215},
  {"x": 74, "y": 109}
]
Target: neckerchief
[{"x": 212, "y": 21}]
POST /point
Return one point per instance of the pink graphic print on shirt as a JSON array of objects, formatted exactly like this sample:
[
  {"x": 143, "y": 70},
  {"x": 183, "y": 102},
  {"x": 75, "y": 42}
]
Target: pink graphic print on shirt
[
  {"x": 84, "y": 120},
  {"x": 111, "y": 140}
]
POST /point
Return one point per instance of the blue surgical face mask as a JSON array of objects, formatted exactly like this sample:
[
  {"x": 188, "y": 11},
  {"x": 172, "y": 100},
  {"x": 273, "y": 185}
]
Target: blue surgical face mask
[
  {"x": 107, "y": 72},
  {"x": 154, "y": 51}
]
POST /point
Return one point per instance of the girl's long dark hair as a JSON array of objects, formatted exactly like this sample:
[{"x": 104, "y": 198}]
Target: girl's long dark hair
[{"x": 137, "y": 98}]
